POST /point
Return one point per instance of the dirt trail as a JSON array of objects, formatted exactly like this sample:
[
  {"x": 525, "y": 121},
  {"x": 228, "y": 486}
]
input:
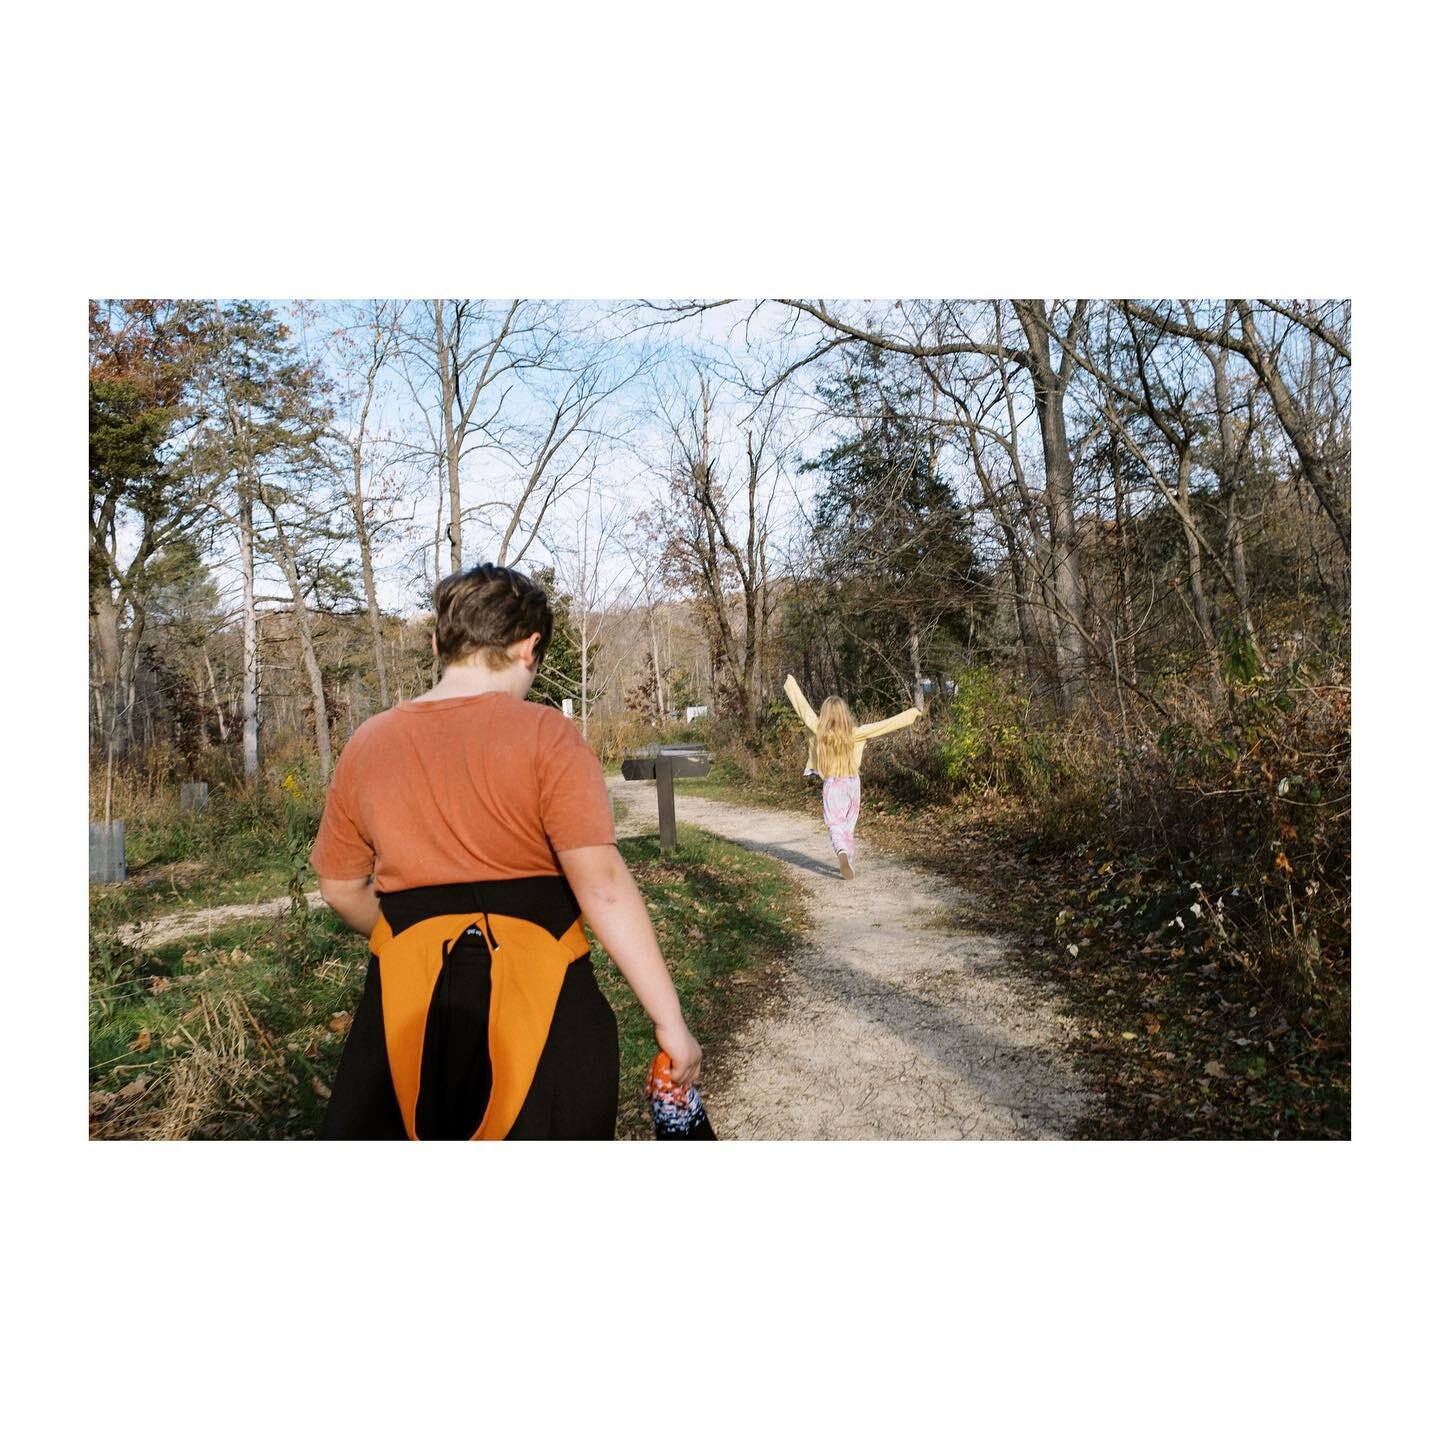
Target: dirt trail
[
  {"x": 179, "y": 924},
  {"x": 894, "y": 1020}
]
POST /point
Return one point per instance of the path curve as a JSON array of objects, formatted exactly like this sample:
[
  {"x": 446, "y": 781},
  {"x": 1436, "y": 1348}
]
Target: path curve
[
  {"x": 893, "y": 1019},
  {"x": 180, "y": 924}
]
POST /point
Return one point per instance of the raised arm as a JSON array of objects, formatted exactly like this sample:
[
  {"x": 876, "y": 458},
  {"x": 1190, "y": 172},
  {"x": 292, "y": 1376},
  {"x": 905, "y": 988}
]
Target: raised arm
[
  {"x": 796, "y": 697},
  {"x": 884, "y": 727}
]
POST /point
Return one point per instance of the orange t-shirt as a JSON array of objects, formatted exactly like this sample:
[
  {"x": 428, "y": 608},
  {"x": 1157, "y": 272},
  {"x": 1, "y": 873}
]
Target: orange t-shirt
[{"x": 480, "y": 787}]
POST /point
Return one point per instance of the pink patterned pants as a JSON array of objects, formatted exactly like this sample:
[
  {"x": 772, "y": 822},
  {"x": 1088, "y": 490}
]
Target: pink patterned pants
[{"x": 841, "y": 800}]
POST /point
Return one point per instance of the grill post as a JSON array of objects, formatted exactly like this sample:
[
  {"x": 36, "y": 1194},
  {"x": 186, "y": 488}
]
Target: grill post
[{"x": 665, "y": 794}]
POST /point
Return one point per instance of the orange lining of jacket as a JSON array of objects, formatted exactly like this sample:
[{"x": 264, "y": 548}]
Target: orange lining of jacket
[{"x": 527, "y": 969}]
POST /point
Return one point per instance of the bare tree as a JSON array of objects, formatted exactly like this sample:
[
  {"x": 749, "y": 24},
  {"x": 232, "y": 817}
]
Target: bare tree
[
  {"x": 1266, "y": 347},
  {"x": 558, "y": 453},
  {"x": 584, "y": 565},
  {"x": 715, "y": 555},
  {"x": 361, "y": 351},
  {"x": 283, "y": 543},
  {"x": 463, "y": 349},
  {"x": 645, "y": 559}
]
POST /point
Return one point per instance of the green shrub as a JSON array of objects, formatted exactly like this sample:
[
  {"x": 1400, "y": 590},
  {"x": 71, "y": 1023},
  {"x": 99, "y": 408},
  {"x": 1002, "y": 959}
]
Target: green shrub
[{"x": 987, "y": 741}]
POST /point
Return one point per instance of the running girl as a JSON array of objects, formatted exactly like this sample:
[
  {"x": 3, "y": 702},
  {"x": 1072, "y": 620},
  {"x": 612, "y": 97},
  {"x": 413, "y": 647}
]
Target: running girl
[{"x": 835, "y": 746}]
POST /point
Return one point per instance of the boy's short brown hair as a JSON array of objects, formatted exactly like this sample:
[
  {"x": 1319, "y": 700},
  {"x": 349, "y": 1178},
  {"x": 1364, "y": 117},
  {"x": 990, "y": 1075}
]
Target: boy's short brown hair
[{"x": 486, "y": 609}]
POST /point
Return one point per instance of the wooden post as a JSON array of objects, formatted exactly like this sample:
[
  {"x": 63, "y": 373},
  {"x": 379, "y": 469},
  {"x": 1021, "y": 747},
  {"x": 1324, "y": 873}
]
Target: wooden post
[{"x": 665, "y": 793}]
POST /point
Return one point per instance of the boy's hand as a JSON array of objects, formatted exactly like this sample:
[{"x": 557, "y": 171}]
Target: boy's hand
[{"x": 684, "y": 1052}]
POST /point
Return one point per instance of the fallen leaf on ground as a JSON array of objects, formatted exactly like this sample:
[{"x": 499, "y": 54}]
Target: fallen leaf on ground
[
  {"x": 319, "y": 1087},
  {"x": 141, "y": 1043},
  {"x": 134, "y": 1090},
  {"x": 1215, "y": 1069}
]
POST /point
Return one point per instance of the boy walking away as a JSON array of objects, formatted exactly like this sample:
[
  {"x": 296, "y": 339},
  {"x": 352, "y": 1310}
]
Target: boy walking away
[{"x": 466, "y": 832}]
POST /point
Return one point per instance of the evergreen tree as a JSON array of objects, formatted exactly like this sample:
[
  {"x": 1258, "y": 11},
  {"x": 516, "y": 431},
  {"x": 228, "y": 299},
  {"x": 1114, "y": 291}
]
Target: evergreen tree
[
  {"x": 559, "y": 677},
  {"x": 896, "y": 546}
]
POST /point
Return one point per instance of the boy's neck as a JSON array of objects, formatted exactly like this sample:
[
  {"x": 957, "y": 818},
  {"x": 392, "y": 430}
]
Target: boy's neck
[{"x": 462, "y": 679}]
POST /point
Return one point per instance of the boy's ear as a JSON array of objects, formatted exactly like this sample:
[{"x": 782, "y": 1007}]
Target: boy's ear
[{"x": 434, "y": 646}]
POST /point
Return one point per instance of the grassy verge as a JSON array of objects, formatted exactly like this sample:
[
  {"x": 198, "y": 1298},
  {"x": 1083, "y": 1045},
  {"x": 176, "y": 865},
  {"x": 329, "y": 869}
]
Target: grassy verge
[
  {"x": 246, "y": 846},
  {"x": 233, "y": 1036},
  {"x": 237, "y": 1035},
  {"x": 724, "y": 916}
]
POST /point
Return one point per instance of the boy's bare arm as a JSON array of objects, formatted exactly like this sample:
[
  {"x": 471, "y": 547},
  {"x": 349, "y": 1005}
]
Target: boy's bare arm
[
  {"x": 354, "y": 901},
  {"x": 616, "y": 912}
]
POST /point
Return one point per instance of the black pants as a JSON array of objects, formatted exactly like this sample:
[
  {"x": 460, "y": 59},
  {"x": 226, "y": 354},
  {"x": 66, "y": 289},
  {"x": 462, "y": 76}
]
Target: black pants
[{"x": 575, "y": 1093}]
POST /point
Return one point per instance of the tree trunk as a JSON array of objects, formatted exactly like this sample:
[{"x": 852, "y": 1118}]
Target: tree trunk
[
  {"x": 918, "y": 678},
  {"x": 367, "y": 574},
  {"x": 585, "y": 679},
  {"x": 130, "y": 662},
  {"x": 215, "y": 691},
  {"x": 439, "y": 520},
  {"x": 1001, "y": 513},
  {"x": 307, "y": 645},
  {"x": 107, "y": 644},
  {"x": 1230, "y": 487},
  {"x": 250, "y": 679},
  {"x": 659, "y": 674},
  {"x": 1122, "y": 527},
  {"x": 1312, "y": 460},
  {"x": 1194, "y": 561},
  {"x": 1043, "y": 593},
  {"x": 443, "y": 364},
  {"x": 1059, "y": 498}
]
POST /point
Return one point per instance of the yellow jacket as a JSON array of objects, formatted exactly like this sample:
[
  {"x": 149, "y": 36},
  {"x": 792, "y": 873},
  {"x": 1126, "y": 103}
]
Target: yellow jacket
[{"x": 862, "y": 732}]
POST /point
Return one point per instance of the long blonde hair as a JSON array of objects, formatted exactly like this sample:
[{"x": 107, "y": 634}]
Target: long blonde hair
[{"x": 835, "y": 737}]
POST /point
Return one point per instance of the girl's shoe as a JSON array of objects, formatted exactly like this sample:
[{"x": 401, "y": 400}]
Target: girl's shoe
[{"x": 845, "y": 869}]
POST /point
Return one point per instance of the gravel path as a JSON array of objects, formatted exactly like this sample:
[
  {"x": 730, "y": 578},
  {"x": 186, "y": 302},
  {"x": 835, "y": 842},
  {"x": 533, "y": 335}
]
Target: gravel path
[
  {"x": 179, "y": 924},
  {"x": 894, "y": 1021}
]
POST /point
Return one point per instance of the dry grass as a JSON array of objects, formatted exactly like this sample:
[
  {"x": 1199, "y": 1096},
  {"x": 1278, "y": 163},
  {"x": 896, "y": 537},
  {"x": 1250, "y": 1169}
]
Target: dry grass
[{"x": 230, "y": 1062}]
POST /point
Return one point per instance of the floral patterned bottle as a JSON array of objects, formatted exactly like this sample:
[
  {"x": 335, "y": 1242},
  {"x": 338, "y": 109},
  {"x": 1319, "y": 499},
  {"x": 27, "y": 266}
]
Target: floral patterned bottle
[{"x": 677, "y": 1110}]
